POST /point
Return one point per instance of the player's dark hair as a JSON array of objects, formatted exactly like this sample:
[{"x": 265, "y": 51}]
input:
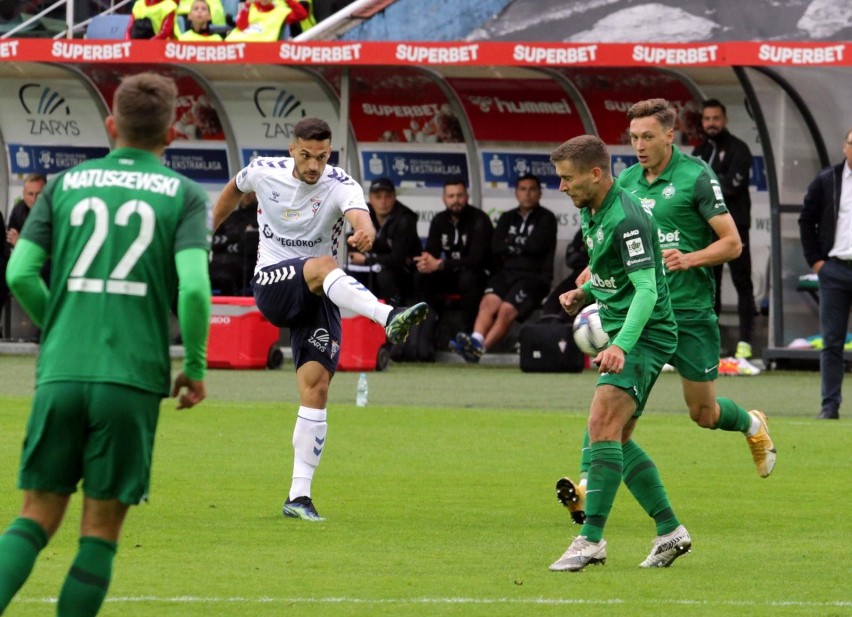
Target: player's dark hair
[
  {"x": 585, "y": 152},
  {"x": 657, "y": 108},
  {"x": 528, "y": 176},
  {"x": 312, "y": 129},
  {"x": 714, "y": 103},
  {"x": 454, "y": 180}
]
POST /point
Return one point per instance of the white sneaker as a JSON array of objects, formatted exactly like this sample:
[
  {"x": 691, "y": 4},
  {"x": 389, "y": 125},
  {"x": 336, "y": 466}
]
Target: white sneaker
[
  {"x": 667, "y": 548},
  {"x": 580, "y": 554}
]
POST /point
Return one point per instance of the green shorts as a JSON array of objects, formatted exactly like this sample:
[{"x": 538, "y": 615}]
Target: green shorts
[
  {"x": 698, "y": 342},
  {"x": 642, "y": 366},
  {"x": 102, "y": 433}
]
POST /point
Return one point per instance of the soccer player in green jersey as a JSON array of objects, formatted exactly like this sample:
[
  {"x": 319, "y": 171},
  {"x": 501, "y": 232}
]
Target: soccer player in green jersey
[
  {"x": 128, "y": 239},
  {"x": 686, "y": 199},
  {"x": 628, "y": 283}
]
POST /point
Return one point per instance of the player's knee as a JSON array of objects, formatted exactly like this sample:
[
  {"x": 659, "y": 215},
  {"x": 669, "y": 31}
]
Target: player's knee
[{"x": 703, "y": 416}]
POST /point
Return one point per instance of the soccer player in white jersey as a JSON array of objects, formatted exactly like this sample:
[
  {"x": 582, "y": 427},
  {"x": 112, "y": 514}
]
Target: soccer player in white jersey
[{"x": 302, "y": 204}]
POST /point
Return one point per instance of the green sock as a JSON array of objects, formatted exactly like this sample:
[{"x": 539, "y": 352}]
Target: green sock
[
  {"x": 643, "y": 480},
  {"x": 20, "y": 545},
  {"x": 585, "y": 456},
  {"x": 88, "y": 579},
  {"x": 732, "y": 417},
  {"x": 607, "y": 462}
]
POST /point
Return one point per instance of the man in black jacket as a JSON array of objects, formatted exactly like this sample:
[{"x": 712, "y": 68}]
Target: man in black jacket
[
  {"x": 457, "y": 255},
  {"x": 825, "y": 225},
  {"x": 730, "y": 158},
  {"x": 522, "y": 251},
  {"x": 387, "y": 269}
]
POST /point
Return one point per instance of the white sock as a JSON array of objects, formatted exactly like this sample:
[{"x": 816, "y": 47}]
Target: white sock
[
  {"x": 346, "y": 292},
  {"x": 753, "y": 427},
  {"x": 308, "y": 446},
  {"x": 478, "y": 336}
]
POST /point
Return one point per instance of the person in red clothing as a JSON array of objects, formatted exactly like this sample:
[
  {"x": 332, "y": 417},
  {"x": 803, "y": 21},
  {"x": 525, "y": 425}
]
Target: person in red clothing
[
  {"x": 152, "y": 19},
  {"x": 262, "y": 20}
]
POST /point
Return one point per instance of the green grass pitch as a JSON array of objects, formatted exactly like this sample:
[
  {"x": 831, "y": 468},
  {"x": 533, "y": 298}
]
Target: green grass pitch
[{"x": 440, "y": 501}]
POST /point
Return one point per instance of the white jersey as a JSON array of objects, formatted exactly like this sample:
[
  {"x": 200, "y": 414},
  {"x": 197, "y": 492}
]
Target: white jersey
[{"x": 296, "y": 219}]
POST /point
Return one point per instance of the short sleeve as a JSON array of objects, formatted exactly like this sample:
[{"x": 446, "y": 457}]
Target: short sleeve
[{"x": 708, "y": 195}]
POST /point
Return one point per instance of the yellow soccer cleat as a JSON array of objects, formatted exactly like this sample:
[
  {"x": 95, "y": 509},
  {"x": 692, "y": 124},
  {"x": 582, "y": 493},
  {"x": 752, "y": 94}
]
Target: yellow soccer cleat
[
  {"x": 573, "y": 497},
  {"x": 761, "y": 446}
]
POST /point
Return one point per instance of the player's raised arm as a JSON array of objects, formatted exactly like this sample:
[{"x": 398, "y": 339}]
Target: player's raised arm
[
  {"x": 228, "y": 201},
  {"x": 365, "y": 233}
]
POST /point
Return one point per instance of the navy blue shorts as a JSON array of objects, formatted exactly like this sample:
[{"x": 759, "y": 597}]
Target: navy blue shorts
[
  {"x": 282, "y": 295},
  {"x": 522, "y": 291}
]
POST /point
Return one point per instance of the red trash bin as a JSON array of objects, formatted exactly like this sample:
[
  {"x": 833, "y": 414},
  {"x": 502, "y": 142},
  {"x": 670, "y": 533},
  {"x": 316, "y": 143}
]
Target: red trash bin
[
  {"x": 363, "y": 346},
  {"x": 240, "y": 336}
]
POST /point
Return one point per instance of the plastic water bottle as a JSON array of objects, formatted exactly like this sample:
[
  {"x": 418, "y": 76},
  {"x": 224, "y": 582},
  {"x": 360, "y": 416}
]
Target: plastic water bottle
[{"x": 361, "y": 394}]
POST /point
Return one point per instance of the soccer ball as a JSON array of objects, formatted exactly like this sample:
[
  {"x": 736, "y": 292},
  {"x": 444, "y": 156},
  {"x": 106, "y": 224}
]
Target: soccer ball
[{"x": 588, "y": 333}]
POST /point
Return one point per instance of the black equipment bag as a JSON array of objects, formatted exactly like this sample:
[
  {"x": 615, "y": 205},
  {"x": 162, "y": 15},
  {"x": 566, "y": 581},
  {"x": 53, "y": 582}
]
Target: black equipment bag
[{"x": 548, "y": 346}]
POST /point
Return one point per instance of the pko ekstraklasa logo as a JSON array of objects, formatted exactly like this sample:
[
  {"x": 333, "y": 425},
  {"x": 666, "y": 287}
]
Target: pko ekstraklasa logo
[
  {"x": 48, "y": 111},
  {"x": 280, "y": 110}
]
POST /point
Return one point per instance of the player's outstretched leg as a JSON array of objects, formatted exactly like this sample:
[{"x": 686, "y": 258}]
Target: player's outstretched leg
[{"x": 402, "y": 319}]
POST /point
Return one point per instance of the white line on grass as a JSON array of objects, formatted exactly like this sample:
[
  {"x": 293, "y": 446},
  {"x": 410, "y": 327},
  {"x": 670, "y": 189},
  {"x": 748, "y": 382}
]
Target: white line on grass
[{"x": 404, "y": 601}]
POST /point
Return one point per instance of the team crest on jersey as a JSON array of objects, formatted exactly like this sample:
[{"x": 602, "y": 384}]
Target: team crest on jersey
[
  {"x": 316, "y": 202},
  {"x": 669, "y": 191},
  {"x": 320, "y": 339}
]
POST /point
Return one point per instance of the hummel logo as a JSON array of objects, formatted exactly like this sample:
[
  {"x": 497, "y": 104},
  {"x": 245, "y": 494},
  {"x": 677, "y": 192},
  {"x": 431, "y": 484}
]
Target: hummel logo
[
  {"x": 318, "y": 451},
  {"x": 707, "y": 370}
]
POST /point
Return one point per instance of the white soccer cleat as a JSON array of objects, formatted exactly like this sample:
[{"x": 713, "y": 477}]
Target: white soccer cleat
[
  {"x": 667, "y": 548},
  {"x": 580, "y": 554}
]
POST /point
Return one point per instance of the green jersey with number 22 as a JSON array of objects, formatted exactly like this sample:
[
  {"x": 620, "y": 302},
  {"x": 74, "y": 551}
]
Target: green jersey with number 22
[{"x": 111, "y": 227}]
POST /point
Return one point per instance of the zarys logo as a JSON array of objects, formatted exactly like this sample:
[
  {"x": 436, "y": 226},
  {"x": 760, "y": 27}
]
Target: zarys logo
[
  {"x": 275, "y": 105},
  {"x": 48, "y": 111}
]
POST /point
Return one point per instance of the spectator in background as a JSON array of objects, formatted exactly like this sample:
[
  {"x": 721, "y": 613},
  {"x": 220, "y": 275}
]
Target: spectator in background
[
  {"x": 825, "y": 225},
  {"x": 577, "y": 259},
  {"x": 458, "y": 253},
  {"x": 195, "y": 25},
  {"x": 152, "y": 19},
  {"x": 522, "y": 250},
  {"x": 4, "y": 290},
  {"x": 234, "y": 250},
  {"x": 216, "y": 10},
  {"x": 387, "y": 269},
  {"x": 730, "y": 158},
  {"x": 297, "y": 28},
  {"x": 33, "y": 186},
  {"x": 262, "y": 20}
]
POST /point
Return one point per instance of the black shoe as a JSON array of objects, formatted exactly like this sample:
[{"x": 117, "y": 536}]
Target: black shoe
[
  {"x": 828, "y": 414},
  {"x": 302, "y": 508}
]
